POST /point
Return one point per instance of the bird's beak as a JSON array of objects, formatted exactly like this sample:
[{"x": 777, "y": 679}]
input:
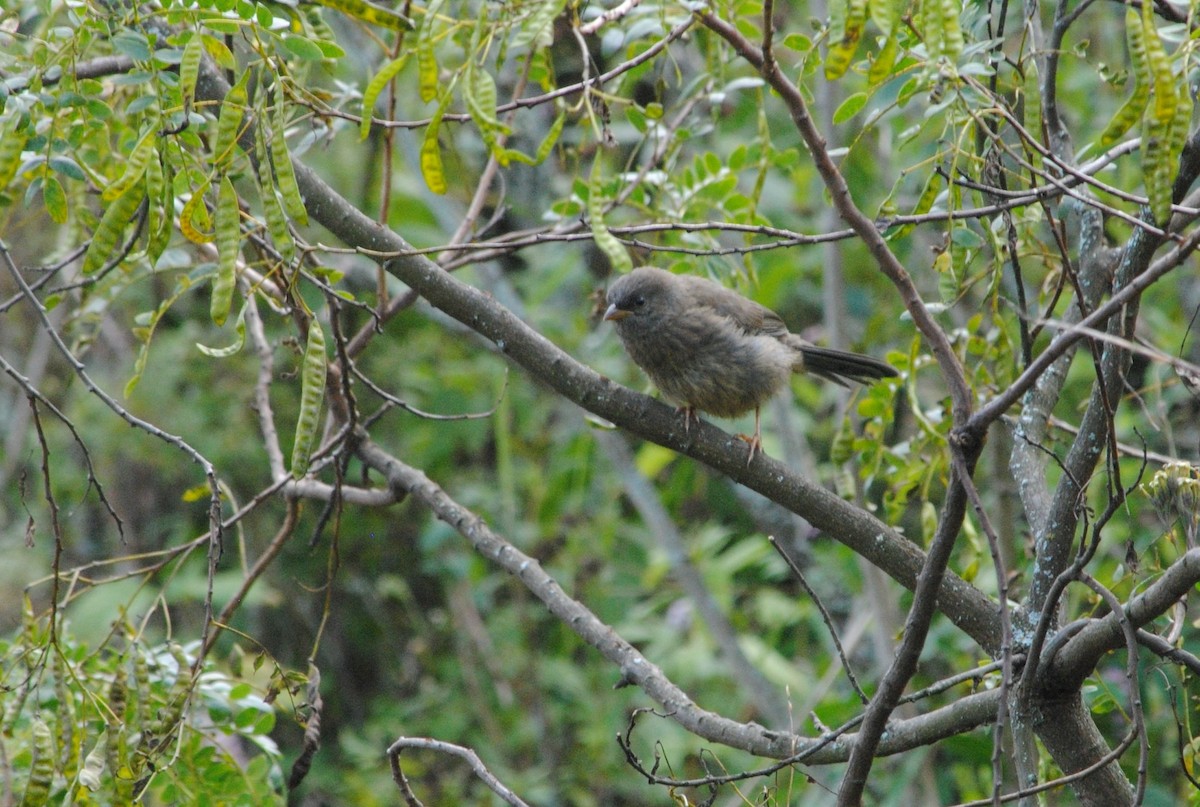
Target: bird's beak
[{"x": 613, "y": 313}]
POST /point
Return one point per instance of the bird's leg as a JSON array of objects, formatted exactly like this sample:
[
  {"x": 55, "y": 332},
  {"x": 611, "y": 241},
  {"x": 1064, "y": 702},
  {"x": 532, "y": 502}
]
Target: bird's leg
[{"x": 755, "y": 441}]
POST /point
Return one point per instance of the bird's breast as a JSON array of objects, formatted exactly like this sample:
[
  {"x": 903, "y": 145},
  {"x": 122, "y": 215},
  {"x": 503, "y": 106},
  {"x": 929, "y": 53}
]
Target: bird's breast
[{"x": 707, "y": 363}]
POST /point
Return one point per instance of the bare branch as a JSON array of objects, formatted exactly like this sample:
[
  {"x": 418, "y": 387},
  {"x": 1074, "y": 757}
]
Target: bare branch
[
  {"x": 916, "y": 629},
  {"x": 825, "y": 617},
  {"x": 615, "y": 13},
  {"x": 210, "y": 474},
  {"x": 636, "y": 668},
  {"x": 472, "y": 759},
  {"x": 1132, "y": 679},
  {"x": 1078, "y": 657},
  {"x": 897, "y": 556},
  {"x": 772, "y": 707}
]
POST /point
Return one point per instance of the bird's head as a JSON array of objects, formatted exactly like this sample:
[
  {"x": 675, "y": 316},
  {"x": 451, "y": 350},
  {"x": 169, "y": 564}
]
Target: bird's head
[{"x": 641, "y": 299}]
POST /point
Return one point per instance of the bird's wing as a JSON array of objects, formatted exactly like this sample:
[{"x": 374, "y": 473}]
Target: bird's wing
[{"x": 749, "y": 316}]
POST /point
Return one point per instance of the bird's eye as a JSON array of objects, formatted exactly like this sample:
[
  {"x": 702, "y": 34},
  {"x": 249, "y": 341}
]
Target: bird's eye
[{"x": 639, "y": 301}]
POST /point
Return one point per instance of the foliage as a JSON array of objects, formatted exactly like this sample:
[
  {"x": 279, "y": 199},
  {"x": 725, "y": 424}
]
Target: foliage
[
  {"x": 216, "y": 219},
  {"x": 89, "y": 726}
]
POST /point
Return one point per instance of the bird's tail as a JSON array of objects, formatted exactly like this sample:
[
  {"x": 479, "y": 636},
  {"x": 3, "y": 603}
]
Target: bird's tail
[{"x": 840, "y": 366}]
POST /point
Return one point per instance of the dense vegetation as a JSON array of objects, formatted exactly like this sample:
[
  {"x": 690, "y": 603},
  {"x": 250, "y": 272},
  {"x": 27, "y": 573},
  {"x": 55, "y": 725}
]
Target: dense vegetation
[{"x": 323, "y": 481}]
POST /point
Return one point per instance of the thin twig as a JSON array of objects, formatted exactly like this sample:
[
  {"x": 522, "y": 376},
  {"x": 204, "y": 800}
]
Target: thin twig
[
  {"x": 1061, "y": 781},
  {"x": 1132, "y": 678},
  {"x": 536, "y": 100},
  {"x": 993, "y": 541},
  {"x": 615, "y": 13},
  {"x": 471, "y": 758},
  {"x": 1165, "y": 264},
  {"x": 214, "y": 511},
  {"x": 828, "y": 620}
]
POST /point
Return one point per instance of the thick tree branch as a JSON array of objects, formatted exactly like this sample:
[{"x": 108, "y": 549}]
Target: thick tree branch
[
  {"x": 1136, "y": 272},
  {"x": 862, "y": 532},
  {"x": 1065, "y": 727},
  {"x": 966, "y": 606},
  {"x": 916, "y": 628},
  {"x": 965, "y": 444},
  {"x": 1068, "y": 668},
  {"x": 1029, "y": 459}
]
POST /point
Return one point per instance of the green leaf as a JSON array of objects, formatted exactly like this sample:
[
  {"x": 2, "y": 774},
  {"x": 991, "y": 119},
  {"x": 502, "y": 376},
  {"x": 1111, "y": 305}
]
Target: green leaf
[
  {"x": 842, "y": 50},
  {"x": 67, "y": 167},
  {"x": 884, "y": 14},
  {"x": 1131, "y": 111},
  {"x": 376, "y": 86},
  {"x": 951, "y": 34},
  {"x": 135, "y": 167},
  {"x": 800, "y": 43},
  {"x": 884, "y": 61},
  {"x": 427, "y": 66},
  {"x": 228, "y": 242},
  {"x": 12, "y": 142},
  {"x": 312, "y": 391},
  {"x": 229, "y": 123},
  {"x": 55, "y": 200},
  {"x": 41, "y": 774},
  {"x": 247, "y": 717},
  {"x": 277, "y": 226},
  {"x": 479, "y": 90},
  {"x": 538, "y": 28},
  {"x": 850, "y": 107},
  {"x": 303, "y": 48},
  {"x": 371, "y": 13},
  {"x": 111, "y": 229},
  {"x": 966, "y": 237},
  {"x": 189, "y": 67},
  {"x": 281, "y": 162},
  {"x": 636, "y": 117},
  {"x": 431, "y": 151},
  {"x": 193, "y": 218},
  {"x": 219, "y": 51},
  {"x": 605, "y": 240},
  {"x": 132, "y": 43}
]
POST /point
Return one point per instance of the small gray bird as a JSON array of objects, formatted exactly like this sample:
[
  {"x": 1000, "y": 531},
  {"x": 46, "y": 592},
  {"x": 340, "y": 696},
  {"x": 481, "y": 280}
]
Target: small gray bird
[{"x": 708, "y": 348}]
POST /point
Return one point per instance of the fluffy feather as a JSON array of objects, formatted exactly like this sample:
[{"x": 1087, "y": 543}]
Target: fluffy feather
[{"x": 707, "y": 347}]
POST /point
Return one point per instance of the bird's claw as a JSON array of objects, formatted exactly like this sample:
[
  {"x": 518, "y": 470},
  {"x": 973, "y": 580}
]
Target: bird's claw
[
  {"x": 689, "y": 414},
  {"x": 755, "y": 442}
]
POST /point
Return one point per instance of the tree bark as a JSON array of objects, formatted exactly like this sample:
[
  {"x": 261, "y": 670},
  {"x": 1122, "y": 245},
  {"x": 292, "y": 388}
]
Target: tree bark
[{"x": 1065, "y": 727}]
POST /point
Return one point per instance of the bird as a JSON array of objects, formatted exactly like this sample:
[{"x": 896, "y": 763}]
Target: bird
[{"x": 709, "y": 349}]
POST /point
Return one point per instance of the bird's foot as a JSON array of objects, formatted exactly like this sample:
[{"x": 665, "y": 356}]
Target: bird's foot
[
  {"x": 689, "y": 414},
  {"x": 755, "y": 442}
]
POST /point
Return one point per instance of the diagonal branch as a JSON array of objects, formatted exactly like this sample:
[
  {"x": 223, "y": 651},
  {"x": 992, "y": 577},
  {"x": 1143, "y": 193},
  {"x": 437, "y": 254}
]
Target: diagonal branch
[
  {"x": 965, "y": 605},
  {"x": 1078, "y": 657},
  {"x": 965, "y": 443},
  {"x": 963, "y": 715},
  {"x": 937, "y": 588},
  {"x": 771, "y": 706},
  {"x": 916, "y": 629},
  {"x": 863, "y": 226},
  {"x": 466, "y": 754}
]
